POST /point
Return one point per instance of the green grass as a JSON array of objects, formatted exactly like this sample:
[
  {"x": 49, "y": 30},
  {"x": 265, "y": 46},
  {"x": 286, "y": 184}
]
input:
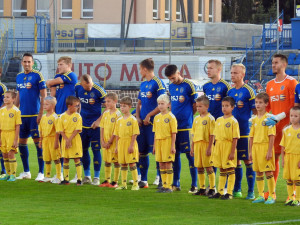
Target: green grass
[{"x": 30, "y": 202}]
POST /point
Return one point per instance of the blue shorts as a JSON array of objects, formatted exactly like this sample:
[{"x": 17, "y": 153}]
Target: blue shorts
[
  {"x": 146, "y": 139},
  {"x": 183, "y": 141},
  {"x": 242, "y": 149},
  {"x": 29, "y": 127},
  {"x": 90, "y": 137}
]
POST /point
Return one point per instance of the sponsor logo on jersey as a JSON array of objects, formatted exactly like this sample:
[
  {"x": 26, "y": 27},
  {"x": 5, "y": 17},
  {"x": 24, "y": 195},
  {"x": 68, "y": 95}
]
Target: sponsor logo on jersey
[
  {"x": 128, "y": 124},
  {"x": 28, "y": 85},
  {"x": 181, "y": 98},
  {"x": 218, "y": 97},
  {"x": 149, "y": 94},
  {"x": 61, "y": 86},
  {"x": 112, "y": 120},
  {"x": 240, "y": 104},
  {"x": 74, "y": 119},
  {"x": 204, "y": 122},
  {"x": 92, "y": 101},
  {"x": 11, "y": 115},
  {"x": 50, "y": 122},
  {"x": 213, "y": 89},
  {"x": 228, "y": 124},
  {"x": 166, "y": 120},
  {"x": 282, "y": 97}
]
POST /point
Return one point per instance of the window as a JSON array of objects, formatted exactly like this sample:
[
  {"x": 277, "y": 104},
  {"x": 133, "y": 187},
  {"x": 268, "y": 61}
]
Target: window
[
  {"x": 66, "y": 8},
  {"x": 20, "y": 8},
  {"x": 211, "y": 11},
  {"x": 200, "y": 12},
  {"x": 87, "y": 9},
  {"x": 178, "y": 11},
  {"x": 167, "y": 9},
  {"x": 1, "y": 7},
  {"x": 155, "y": 9},
  {"x": 42, "y": 7}
]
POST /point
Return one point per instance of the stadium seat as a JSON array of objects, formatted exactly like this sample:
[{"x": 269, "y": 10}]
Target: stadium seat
[
  {"x": 289, "y": 72},
  {"x": 291, "y": 58},
  {"x": 295, "y": 72},
  {"x": 297, "y": 60},
  {"x": 270, "y": 73}
]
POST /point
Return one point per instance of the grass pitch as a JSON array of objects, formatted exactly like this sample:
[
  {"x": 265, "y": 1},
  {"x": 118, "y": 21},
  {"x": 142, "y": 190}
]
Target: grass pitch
[{"x": 30, "y": 202}]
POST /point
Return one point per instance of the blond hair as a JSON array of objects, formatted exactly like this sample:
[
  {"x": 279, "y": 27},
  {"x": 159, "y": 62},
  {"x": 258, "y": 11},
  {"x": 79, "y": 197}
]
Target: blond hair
[
  {"x": 240, "y": 65},
  {"x": 164, "y": 98},
  {"x": 51, "y": 99},
  {"x": 112, "y": 95},
  {"x": 216, "y": 62},
  {"x": 66, "y": 59}
]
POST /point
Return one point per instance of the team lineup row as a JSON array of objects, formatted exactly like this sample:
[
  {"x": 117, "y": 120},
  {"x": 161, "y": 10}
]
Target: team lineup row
[{"x": 32, "y": 91}]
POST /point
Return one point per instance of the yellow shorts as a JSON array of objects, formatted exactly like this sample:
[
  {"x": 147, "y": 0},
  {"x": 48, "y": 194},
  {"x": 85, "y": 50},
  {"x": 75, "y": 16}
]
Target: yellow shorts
[
  {"x": 75, "y": 151},
  {"x": 259, "y": 153},
  {"x": 49, "y": 153},
  {"x": 7, "y": 139},
  {"x": 109, "y": 155},
  {"x": 123, "y": 156},
  {"x": 163, "y": 150},
  {"x": 221, "y": 153},
  {"x": 201, "y": 160},
  {"x": 291, "y": 170}
]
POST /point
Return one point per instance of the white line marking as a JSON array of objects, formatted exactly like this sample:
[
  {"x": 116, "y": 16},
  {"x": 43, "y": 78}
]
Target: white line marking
[{"x": 273, "y": 222}]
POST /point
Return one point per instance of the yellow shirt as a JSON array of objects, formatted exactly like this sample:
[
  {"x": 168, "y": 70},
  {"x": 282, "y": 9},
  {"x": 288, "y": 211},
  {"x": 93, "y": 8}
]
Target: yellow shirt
[
  {"x": 164, "y": 125},
  {"x": 259, "y": 131},
  {"x": 126, "y": 128},
  {"x": 291, "y": 140},
  {"x": 203, "y": 127},
  {"x": 69, "y": 123},
  {"x": 226, "y": 129},
  {"x": 108, "y": 123},
  {"x": 10, "y": 118},
  {"x": 48, "y": 125}
]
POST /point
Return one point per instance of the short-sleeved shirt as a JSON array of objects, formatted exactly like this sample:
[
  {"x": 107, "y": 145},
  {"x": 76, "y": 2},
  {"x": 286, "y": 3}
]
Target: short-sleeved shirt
[
  {"x": 65, "y": 90},
  {"x": 259, "y": 131},
  {"x": 29, "y": 86},
  {"x": 164, "y": 125},
  {"x": 108, "y": 123},
  {"x": 297, "y": 93},
  {"x": 48, "y": 125},
  {"x": 183, "y": 97},
  {"x": 69, "y": 123},
  {"x": 226, "y": 129},
  {"x": 203, "y": 127},
  {"x": 291, "y": 140},
  {"x": 215, "y": 93},
  {"x": 9, "y": 118},
  {"x": 3, "y": 89},
  {"x": 148, "y": 94},
  {"x": 126, "y": 128},
  {"x": 91, "y": 102},
  {"x": 244, "y": 98}
]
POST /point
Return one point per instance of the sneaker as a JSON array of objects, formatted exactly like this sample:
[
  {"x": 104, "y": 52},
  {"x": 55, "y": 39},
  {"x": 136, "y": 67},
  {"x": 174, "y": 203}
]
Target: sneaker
[
  {"x": 211, "y": 192},
  {"x": 46, "y": 179},
  {"x": 135, "y": 188},
  {"x": 167, "y": 190},
  {"x": 270, "y": 200},
  {"x": 121, "y": 188},
  {"x": 104, "y": 184},
  {"x": 259, "y": 199},
  {"x": 6, "y": 177},
  {"x": 87, "y": 180},
  {"x": 12, "y": 178},
  {"x": 160, "y": 185},
  {"x": 24, "y": 175},
  {"x": 266, "y": 195},
  {"x": 96, "y": 181},
  {"x": 113, "y": 185},
  {"x": 130, "y": 181},
  {"x": 175, "y": 188},
  {"x": 250, "y": 195},
  {"x": 288, "y": 202},
  {"x": 65, "y": 182},
  {"x": 143, "y": 184},
  {"x": 295, "y": 203},
  {"x": 161, "y": 190},
  {"x": 200, "y": 192},
  {"x": 79, "y": 183},
  {"x": 193, "y": 190},
  {"x": 217, "y": 195},
  {"x": 226, "y": 197},
  {"x": 156, "y": 181},
  {"x": 2, "y": 175},
  {"x": 40, "y": 177},
  {"x": 237, "y": 194},
  {"x": 55, "y": 181},
  {"x": 61, "y": 177},
  {"x": 74, "y": 180}
]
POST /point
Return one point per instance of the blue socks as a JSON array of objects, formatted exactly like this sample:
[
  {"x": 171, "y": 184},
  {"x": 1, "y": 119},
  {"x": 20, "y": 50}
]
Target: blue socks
[
  {"x": 144, "y": 166},
  {"x": 86, "y": 161},
  {"x": 193, "y": 169},
  {"x": 2, "y": 163},
  {"x": 238, "y": 178},
  {"x": 24, "y": 156},
  {"x": 40, "y": 157},
  {"x": 176, "y": 170},
  {"x": 97, "y": 162},
  {"x": 251, "y": 175}
]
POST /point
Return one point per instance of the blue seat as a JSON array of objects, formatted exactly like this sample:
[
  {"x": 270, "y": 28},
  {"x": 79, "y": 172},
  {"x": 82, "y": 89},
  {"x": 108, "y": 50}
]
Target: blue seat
[
  {"x": 295, "y": 72},
  {"x": 297, "y": 60},
  {"x": 270, "y": 73},
  {"x": 291, "y": 58},
  {"x": 289, "y": 72}
]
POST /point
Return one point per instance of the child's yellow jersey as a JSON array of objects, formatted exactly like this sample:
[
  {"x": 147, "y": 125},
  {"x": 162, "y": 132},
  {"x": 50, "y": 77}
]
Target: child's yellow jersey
[
  {"x": 259, "y": 131},
  {"x": 126, "y": 128},
  {"x": 164, "y": 125},
  {"x": 48, "y": 125},
  {"x": 203, "y": 127},
  {"x": 69, "y": 123},
  {"x": 10, "y": 118},
  {"x": 226, "y": 129},
  {"x": 108, "y": 123},
  {"x": 291, "y": 140}
]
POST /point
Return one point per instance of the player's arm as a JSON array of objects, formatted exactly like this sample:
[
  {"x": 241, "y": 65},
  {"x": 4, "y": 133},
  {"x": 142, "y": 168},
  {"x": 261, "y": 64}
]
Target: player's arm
[
  {"x": 210, "y": 144},
  {"x": 192, "y": 149},
  {"x": 282, "y": 156},
  {"x": 0, "y": 139},
  {"x": 96, "y": 123},
  {"x": 173, "y": 137},
  {"x": 194, "y": 108},
  {"x": 17, "y": 101},
  {"x": 41, "y": 137},
  {"x": 17, "y": 132},
  {"x": 43, "y": 94},
  {"x": 69, "y": 141},
  {"x": 53, "y": 91},
  {"x": 103, "y": 143},
  {"x": 153, "y": 151},
  {"x": 250, "y": 148},
  {"x": 117, "y": 140},
  {"x": 138, "y": 112},
  {"x": 149, "y": 115},
  {"x": 270, "y": 148},
  {"x": 131, "y": 146},
  {"x": 233, "y": 147},
  {"x": 53, "y": 82}
]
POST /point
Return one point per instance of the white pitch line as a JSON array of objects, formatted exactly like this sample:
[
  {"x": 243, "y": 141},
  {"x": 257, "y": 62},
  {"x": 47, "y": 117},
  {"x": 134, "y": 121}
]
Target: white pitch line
[{"x": 273, "y": 222}]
